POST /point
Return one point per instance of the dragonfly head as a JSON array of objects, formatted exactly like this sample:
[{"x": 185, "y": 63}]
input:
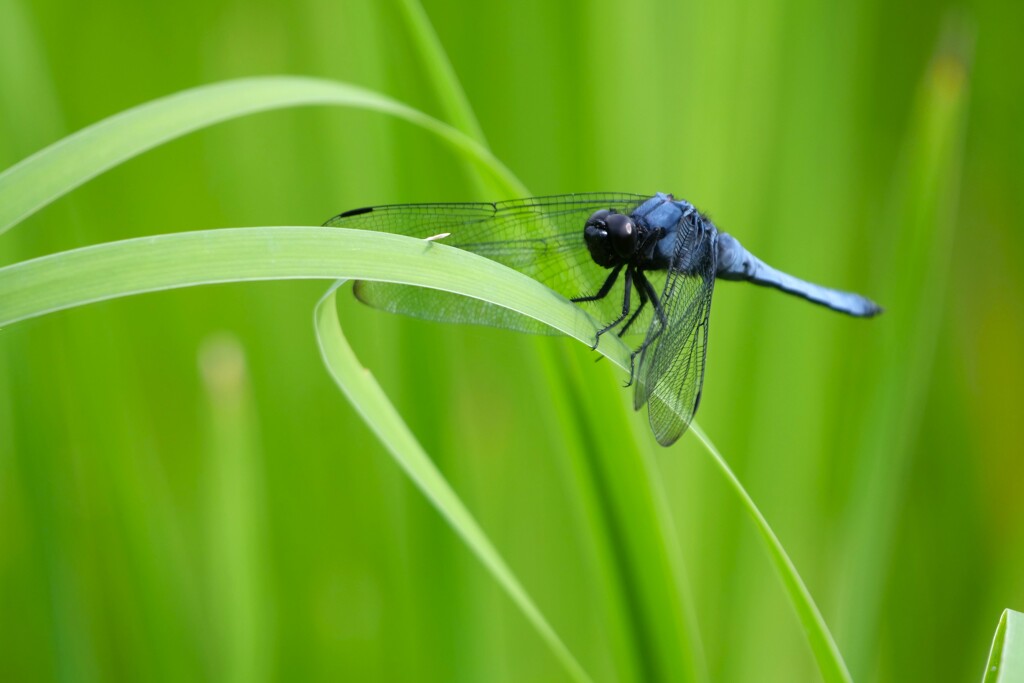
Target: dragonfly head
[{"x": 611, "y": 237}]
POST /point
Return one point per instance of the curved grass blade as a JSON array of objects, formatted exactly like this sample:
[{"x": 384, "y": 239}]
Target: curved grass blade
[
  {"x": 98, "y": 273},
  {"x": 76, "y": 277},
  {"x": 823, "y": 645},
  {"x": 147, "y": 264},
  {"x": 373, "y": 405},
  {"x": 1006, "y": 657},
  {"x": 440, "y": 71},
  {"x": 54, "y": 171}
]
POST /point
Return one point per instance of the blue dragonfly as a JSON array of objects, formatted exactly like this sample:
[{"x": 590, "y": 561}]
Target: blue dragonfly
[{"x": 599, "y": 249}]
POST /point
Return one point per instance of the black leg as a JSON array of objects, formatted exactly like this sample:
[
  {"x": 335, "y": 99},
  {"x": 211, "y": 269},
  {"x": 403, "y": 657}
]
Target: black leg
[
  {"x": 645, "y": 284},
  {"x": 603, "y": 292},
  {"x": 625, "y": 305},
  {"x": 605, "y": 288},
  {"x": 655, "y": 301},
  {"x": 643, "y": 302}
]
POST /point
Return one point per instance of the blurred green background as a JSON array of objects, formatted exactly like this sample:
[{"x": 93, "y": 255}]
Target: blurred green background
[{"x": 185, "y": 495}]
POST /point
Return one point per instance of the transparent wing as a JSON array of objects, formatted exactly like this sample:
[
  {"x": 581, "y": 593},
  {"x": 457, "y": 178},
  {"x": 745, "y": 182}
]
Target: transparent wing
[
  {"x": 541, "y": 237},
  {"x": 670, "y": 372}
]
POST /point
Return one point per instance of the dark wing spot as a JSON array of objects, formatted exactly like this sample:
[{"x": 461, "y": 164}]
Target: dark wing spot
[{"x": 356, "y": 212}]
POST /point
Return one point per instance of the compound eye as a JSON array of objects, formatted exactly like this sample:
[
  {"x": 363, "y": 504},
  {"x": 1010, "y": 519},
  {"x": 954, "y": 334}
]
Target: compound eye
[
  {"x": 597, "y": 219},
  {"x": 622, "y": 233}
]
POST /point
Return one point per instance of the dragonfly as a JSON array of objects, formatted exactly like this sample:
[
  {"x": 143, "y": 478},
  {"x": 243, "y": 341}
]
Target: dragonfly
[{"x": 641, "y": 264}]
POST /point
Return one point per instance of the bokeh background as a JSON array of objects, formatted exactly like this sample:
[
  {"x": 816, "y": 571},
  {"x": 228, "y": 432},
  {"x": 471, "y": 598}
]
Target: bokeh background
[{"x": 184, "y": 494}]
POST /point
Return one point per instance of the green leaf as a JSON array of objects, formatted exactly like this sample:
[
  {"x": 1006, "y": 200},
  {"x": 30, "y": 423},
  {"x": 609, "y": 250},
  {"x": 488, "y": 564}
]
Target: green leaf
[
  {"x": 823, "y": 645},
  {"x": 441, "y": 73},
  {"x": 147, "y": 264},
  {"x": 91, "y": 274},
  {"x": 1006, "y": 657},
  {"x": 369, "y": 399},
  {"x": 56, "y": 170}
]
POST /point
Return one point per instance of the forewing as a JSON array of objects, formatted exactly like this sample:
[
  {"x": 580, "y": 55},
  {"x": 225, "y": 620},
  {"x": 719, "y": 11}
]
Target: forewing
[
  {"x": 541, "y": 237},
  {"x": 670, "y": 372}
]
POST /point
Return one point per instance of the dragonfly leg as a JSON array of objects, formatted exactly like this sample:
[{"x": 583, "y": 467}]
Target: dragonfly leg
[
  {"x": 645, "y": 284},
  {"x": 656, "y": 302},
  {"x": 643, "y": 302},
  {"x": 603, "y": 292},
  {"x": 625, "y": 306},
  {"x": 605, "y": 288}
]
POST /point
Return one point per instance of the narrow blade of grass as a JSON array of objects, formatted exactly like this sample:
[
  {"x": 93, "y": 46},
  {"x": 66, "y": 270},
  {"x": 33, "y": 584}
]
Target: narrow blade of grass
[
  {"x": 440, "y": 71},
  {"x": 116, "y": 269},
  {"x": 236, "y": 555},
  {"x": 56, "y": 170},
  {"x": 445, "y": 82},
  {"x": 1006, "y": 657},
  {"x": 369, "y": 399},
  {"x": 823, "y": 645},
  {"x": 615, "y": 476}
]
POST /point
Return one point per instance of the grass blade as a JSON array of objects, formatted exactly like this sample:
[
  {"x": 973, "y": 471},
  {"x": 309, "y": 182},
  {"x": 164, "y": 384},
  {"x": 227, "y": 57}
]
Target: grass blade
[
  {"x": 440, "y": 71},
  {"x": 97, "y": 273},
  {"x": 634, "y": 538},
  {"x": 54, "y": 171},
  {"x": 1006, "y": 658},
  {"x": 236, "y": 555},
  {"x": 369, "y": 399},
  {"x": 823, "y": 645}
]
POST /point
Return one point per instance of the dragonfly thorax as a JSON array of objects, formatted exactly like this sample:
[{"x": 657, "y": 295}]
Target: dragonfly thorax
[{"x": 611, "y": 237}]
